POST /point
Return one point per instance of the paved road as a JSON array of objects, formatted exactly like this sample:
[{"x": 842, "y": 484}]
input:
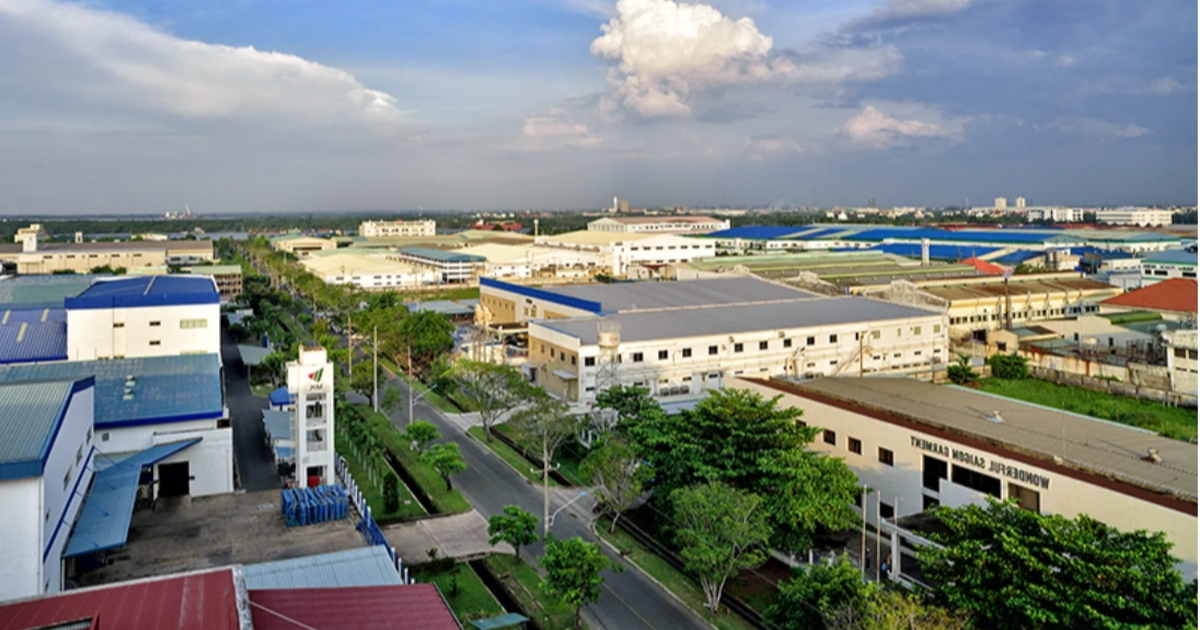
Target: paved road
[
  {"x": 256, "y": 464},
  {"x": 630, "y": 601}
]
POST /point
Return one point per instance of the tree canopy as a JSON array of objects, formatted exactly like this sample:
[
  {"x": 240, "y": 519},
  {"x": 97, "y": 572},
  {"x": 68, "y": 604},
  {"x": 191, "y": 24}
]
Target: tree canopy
[
  {"x": 573, "y": 569},
  {"x": 721, "y": 531},
  {"x": 814, "y": 593},
  {"x": 618, "y": 474},
  {"x": 489, "y": 389},
  {"x": 514, "y": 526},
  {"x": 428, "y": 334},
  {"x": 446, "y": 460},
  {"x": 1011, "y": 569}
]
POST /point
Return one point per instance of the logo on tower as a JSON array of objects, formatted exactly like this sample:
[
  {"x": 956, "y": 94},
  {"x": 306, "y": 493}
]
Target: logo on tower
[{"x": 316, "y": 376}]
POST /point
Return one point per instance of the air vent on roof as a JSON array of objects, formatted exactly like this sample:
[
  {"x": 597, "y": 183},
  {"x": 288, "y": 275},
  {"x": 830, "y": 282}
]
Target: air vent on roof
[
  {"x": 128, "y": 395},
  {"x": 995, "y": 417},
  {"x": 130, "y": 381}
]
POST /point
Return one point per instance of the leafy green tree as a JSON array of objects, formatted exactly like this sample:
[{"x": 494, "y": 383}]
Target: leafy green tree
[
  {"x": 721, "y": 531},
  {"x": 446, "y": 460},
  {"x": 1011, "y": 568},
  {"x": 632, "y": 404},
  {"x": 490, "y": 390},
  {"x": 362, "y": 379},
  {"x": 618, "y": 474},
  {"x": 811, "y": 596},
  {"x": 960, "y": 372},
  {"x": 391, "y": 494},
  {"x": 573, "y": 569},
  {"x": 740, "y": 438},
  {"x": 888, "y": 609},
  {"x": 428, "y": 334},
  {"x": 421, "y": 433},
  {"x": 391, "y": 400},
  {"x": 1009, "y": 366},
  {"x": 545, "y": 423},
  {"x": 514, "y": 526}
]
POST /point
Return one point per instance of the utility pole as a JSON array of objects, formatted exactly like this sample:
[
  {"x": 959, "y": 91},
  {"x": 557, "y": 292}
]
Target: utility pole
[
  {"x": 545, "y": 489},
  {"x": 350, "y": 344},
  {"x": 375, "y": 371},
  {"x": 862, "y": 555},
  {"x": 878, "y": 533},
  {"x": 408, "y": 359}
]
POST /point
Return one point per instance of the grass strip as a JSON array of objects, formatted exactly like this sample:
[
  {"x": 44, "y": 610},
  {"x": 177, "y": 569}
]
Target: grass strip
[
  {"x": 1172, "y": 422},
  {"x": 409, "y": 506},
  {"x": 472, "y": 601},
  {"x": 445, "y": 501},
  {"x": 684, "y": 587},
  {"x": 524, "y": 583}
]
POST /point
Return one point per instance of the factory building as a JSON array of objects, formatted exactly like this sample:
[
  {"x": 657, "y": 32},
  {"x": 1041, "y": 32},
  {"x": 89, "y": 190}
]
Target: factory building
[
  {"x": 301, "y": 245},
  {"x": 397, "y": 229},
  {"x": 1129, "y": 215},
  {"x": 31, "y": 254},
  {"x": 658, "y": 225},
  {"x": 620, "y": 250},
  {"x": 371, "y": 271},
  {"x": 1175, "y": 263},
  {"x": 916, "y": 445}
]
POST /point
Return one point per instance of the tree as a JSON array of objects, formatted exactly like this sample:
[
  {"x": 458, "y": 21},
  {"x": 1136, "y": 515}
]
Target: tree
[
  {"x": 960, "y": 372},
  {"x": 545, "y": 423},
  {"x": 742, "y": 439},
  {"x": 490, "y": 390},
  {"x": 446, "y": 460},
  {"x": 618, "y": 474},
  {"x": 391, "y": 401},
  {"x": 721, "y": 531},
  {"x": 391, "y": 493},
  {"x": 812, "y": 595},
  {"x": 1009, "y": 366},
  {"x": 886, "y": 609},
  {"x": 515, "y": 527},
  {"x": 428, "y": 334},
  {"x": 573, "y": 569},
  {"x": 633, "y": 405},
  {"x": 1011, "y": 568},
  {"x": 362, "y": 379},
  {"x": 421, "y": 433}
]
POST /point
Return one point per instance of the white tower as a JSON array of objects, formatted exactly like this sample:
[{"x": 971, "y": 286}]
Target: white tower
[
  {"x": 1020, "y": 203},
  {"x": 1001, "y": 203},
  {"x": 616, "y": 205},
  {"x": 608, "y": 335},
  {"x": 310, "y": 382}
]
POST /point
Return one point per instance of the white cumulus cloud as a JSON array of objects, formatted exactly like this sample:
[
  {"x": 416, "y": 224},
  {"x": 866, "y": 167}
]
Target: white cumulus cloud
[
  {"x": 762, "y": 147},
  {"x": 664, "y": 51},
  {"x": 547, "y": 133},
  {"x": 1166, "y": 85},
  {"x": 1089, "y": 126},
  {"x": 81, "y": 53},
  {"x": 875, "y": 129},
  {"x": 893, "y": 13}
]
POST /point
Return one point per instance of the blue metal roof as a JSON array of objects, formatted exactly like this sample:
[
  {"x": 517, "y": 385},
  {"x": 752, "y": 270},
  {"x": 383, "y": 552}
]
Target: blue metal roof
[
  {"x": 166, "y": 389},
  {"x": 940, "y": 252},
  {"x": 541, "y": 294},
  {"x": 962, "y": 236},
  {"x": 1173, "y": 256},
  {"x": 41, "y": 291},
  {"x": 1017, "y": 257},
  {"x": 441, "y": 254},
  {"x": 367, "y": 566},
  {"x": 759, "y": 232},
  {"x": 147, "y": 291},
  {"x": 23, "y": 342},
  {"x": 32, "y": 315},
  {"x": 280, "y": 397},
  {"x": 278, "y": 423},
  {"x": 285, "y": 452},
  {"x": 103, "y": 521},
  {"x": 32, "y": 416}
]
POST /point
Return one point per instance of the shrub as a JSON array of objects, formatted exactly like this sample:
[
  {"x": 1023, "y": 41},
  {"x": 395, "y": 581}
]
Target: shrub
[
  {"x": 1009, "y": 366},
  {"x": 391, "y": 494}
]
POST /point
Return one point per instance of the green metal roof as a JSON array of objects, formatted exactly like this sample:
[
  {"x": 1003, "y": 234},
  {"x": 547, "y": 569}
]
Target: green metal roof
[
  {"x": 32, "y": 414},
  {"x": 41, "y": 291},
  {"x": 441, "y": 255},
  {"x": 210, "y": 270},
  {"x": 503, "y": 621}
]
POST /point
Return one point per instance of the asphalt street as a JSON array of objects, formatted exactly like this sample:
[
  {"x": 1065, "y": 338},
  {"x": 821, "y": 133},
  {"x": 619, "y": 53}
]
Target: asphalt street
[
  {"x": 630, "y": 601},
  {"x": 255, "y": 462}
]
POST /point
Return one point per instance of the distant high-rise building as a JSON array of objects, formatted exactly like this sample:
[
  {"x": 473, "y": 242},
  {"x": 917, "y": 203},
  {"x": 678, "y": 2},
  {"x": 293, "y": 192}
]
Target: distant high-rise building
[
  {"x": 616, "y": 204},
  {"x": 870, "y": 202},
  {"x": 624, "y": 205},
  {"x": 1001, "y": 203},
  {"x": 1020, "y": 203}
]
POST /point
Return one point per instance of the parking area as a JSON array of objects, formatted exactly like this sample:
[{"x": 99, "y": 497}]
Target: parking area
[{"x": 217, "y": 531}]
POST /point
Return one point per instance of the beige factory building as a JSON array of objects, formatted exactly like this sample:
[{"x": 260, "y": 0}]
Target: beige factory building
[
  {"x": 31, "y": 255},
  {"x": 299, "y": 245},
  {"x": 397, "y": 229},
  {"x": 620, "y": 250},
  {"x": 920, "y": 445}
]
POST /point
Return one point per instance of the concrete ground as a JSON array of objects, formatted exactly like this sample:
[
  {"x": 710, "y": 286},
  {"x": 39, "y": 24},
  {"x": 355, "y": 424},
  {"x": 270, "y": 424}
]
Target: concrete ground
[
  {"x": 462, "y": 536},
  {"x": 216, "y": 531}
]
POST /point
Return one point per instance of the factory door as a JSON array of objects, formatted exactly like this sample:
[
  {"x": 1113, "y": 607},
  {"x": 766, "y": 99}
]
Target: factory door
[{"x": 173, "y": 480}]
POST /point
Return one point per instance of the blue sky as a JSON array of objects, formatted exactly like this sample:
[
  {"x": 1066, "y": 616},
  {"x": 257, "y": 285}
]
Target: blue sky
[{"x": 300, "y": 105}]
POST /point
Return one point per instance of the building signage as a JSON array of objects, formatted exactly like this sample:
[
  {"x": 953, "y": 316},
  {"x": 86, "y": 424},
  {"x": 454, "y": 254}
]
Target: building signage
[{"x": 998, "y": 467}]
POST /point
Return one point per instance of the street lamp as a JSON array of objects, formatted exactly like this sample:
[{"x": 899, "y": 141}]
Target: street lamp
[{"x": 550, "y": 521}]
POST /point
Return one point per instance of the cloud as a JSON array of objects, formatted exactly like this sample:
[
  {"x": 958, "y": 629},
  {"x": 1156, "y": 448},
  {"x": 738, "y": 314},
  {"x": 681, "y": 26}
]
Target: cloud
[
  {"x": 664, "y": 51},
  {"x": 1064, "y": 60},
  {"x": 106, "y": 58},
  {"x": 1088, "y": 126},
  {"x": 1166, "y": 85},
  {"x": 898, "y": 13},
  {"x": 549, "y": 133},
  {"x": 762, "y": 147},
  {"x": 875, "y": 129}
]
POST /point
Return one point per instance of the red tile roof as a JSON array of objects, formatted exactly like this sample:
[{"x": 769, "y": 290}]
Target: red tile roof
[
  {"x": 410, "y": 607},
  {"x": 195, "y": 601},
  {"x": 1176, "y": 295},
  {"x": 983, "y": 266}
]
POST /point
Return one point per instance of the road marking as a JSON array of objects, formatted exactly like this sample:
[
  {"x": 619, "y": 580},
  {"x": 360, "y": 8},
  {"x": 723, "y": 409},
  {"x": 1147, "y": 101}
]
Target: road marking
[{"x": 631, "y": 608}]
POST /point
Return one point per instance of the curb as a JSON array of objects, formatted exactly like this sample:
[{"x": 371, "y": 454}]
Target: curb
[
  {"x": 613, "y": 548},
  {"x": 487, "y": 449}
]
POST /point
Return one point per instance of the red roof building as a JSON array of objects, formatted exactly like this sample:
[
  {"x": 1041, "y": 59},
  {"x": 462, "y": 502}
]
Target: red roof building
[
  {"x": 1177, "y": 295},
  {"x": 192, "y": 601},
  {"x": 410, "y": 607},
  {"x": 983, "y": 266}
]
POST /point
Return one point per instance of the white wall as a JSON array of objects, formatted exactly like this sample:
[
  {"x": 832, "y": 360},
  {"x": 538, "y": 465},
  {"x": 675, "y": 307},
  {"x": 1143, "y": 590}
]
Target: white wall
[
  {"x": 21, "y": 569},
  {"x": 91, "y": 333},
  {"x": 72, "y": 451},
  {"x": 659, "y": 250},
  {"x": 1065, "y": 495},
  {"x": 210, "y": 462}
]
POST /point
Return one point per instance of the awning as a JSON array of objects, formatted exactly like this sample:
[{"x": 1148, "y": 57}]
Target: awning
[
  {"x": 253, "y": 355},
  {"x": 284, "y": 452},
  {"x": 103, "y": 521},
  {"x": 565, "y": 375},
  {"x": 280, "y": 397},
  {"x": 278, "y": 424}
]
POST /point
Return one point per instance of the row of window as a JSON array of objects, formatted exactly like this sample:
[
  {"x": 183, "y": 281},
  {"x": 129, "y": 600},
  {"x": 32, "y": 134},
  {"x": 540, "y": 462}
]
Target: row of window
[
  {"x": 184, "y": 324},
  {"x": 661, "y": 247},
  {"x": 854, "y": 445},
  {"x": 1043, "y": 313}
]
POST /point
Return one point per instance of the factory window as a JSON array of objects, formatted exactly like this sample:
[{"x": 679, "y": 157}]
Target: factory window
[
  {"x": 89, "y": 437},
  {"x": 886, "y": 510},
  {"x": 589, "y": 361},
  {"x": 886, "y": 457},
  {"x": 155, "y": 342},
  {"x": 1027, "y": 498},
  {"x": 737, "y": 347},
  {"x": 104, "y": 437},
  {"x": 156, "y": 323},
  {"x": 833, "y": 362},
  {"x": 937, "y": 328},
  {"x": 975, "y": 480},
  {"x": 662, "y": 355},
  {"x": 832, "y": 338},
  {"x": 118, "y": 324},
  {"x": 928, "y": 503},
  {"x": 787, "y": 343},
  {"x": 896, "y": 355},
  {"x": 712, "y": 350},
  {"x": 810, "y": 341},
  {"x": 687, "y": 379},
  {"x": 67, "y": 479},
  {"x": 185, "y": 324},
  {"x": 79, "y": 455},
  {"x": 637, "y": 357},
  {"x": 687, "y": 353},
  {"x": 562, "y": 355},
  {"x": 763, "y": 345},
  {"x": 933, "y": 471},
  {"x": 857, "y": 336},
  {"x": 918, "y": 352},
  {"x": 573, "y": 360},
  {"x": 830, "y": 437},
  {"x": 811, "y": 365},
  {"x": 916, "y": 330},
  {"x": 854, "y": 445}
]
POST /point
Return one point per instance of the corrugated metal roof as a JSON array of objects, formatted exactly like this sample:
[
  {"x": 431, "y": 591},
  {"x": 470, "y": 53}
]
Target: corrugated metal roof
[
  {"x": 369, "y": 566},
  {"x": 166, "y": 389},
  {"x": 1173, "y": 257},
  {"x": 23, "y": 342},
  {"x": 41, "y": 291},
  {"x": 759, "y": 232},
  {"x": 278, "y": 424},
  {"x": 280, "y": 396},
  {"x": 445, "y": 307},
  {"x": 723, "y": 320},
  {"x": 408, "y": 607},
  {"x": 625, "y": 296},
  {"x": 103, "y": 521},
  {"x": 30, "y": 415},
  {"x": 1095, "y": 445},
  {"x": 441, "y": 255},
  {"x": 1175, "y": 295},
  {"x": 146, "y": 291}
]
